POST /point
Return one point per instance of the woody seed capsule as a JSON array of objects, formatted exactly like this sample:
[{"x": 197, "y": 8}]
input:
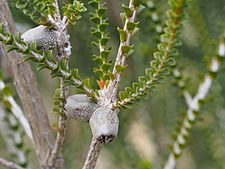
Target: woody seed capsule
[
  {"x": 80, "y": 107},
  {"x": 46, "y": 38},
  {"x": 104, "y": 124}
]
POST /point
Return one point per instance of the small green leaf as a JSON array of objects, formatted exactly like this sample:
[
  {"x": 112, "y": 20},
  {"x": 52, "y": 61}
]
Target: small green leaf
[
  {"x": 131, "y": 26},
  {"x": 68, "y": 83},
  {"x": 55, "y": 74},
  {"x": 104, "y": 41},
  {"x": 87, "y": 82},
  {"x": 98, "y": 60},
  {"x": 98, "y": 72},
  {"x": 48, "y": 55},
  {"x": 164, "y": 38},
  {"x": 101, "y": 11},
  {"x": 131, "y": 51},
  {"x": 136, "y": 3},
  {"x": 33, "y": 46},
  {"x": 127, "y": 11},
  {"x": 1, "y": 28},
  {"x": 128, "y": 90},
  {"x": 120, "y": 68},
  {"x": 111, "y": 76},
  {"x": 41, "y": 66},
  {"x": 18, "y": 37},
  {"x": 123, "y": 18},
  {"x": 57, "y": 93},
  {"x": 122, "y": 95},
  {"x": 27, "y": 50},
  {"x": 126, "y": 49},
  {"x": 63, "y": 64},
  {"x": 57, "y": 102},
  {"x": 123, "y": 35},
  {"x": 104, "y": 54},
  {"x": 177, "y": 43},
  {"x": 74, "y": 73},
  {"x": 103, "y": 26},
  {"x": 171, "y": 62},
  {"x": 7, "y": 91},
  {"x": 22, "y": 5},
  {"x": 165, "y": 72},
  {"x": 97, "y": 34},
  {"x": 162, "y": 47},
  {"x": 173, "y": 52},
  {"x": 149, "y": 72},
  {"x": 56, "y": 110},
  {"x": 158, "y": 55},
  {"x": 11, "y": 48},
  {"x": 106, "y": 67},
  {"x": 95, "y": 44},
  {"x": 27, "y": 58},
  {"x": 93, "y": 3},
  {"x": 10, "y": 40},
  {"x": 95, "y": 19},
  {"x": 135, "y": 85},
  {"x": 7, "y": 104}
]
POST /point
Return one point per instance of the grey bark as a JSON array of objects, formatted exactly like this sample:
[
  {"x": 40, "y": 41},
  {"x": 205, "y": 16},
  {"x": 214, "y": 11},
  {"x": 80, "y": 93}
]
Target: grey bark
[{"x": 32, "y": 103}]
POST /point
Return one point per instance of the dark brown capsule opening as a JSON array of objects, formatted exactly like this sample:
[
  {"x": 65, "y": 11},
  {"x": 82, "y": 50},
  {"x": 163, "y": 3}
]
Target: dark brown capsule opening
[{"x": 104, "y": 139}]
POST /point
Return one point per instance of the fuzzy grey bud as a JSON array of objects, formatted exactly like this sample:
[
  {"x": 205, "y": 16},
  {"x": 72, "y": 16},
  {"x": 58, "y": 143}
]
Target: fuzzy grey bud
[
  {"x": 80, "y": 107},
  {"x": 46, "y": 38},
  {"x": 104, "y": 124}
]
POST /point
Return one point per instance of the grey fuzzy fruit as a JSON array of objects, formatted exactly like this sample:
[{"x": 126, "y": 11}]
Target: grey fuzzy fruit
[
  {"x": 104, "y": 124},
  {"x": 80, "y": 107},
  {"x": 46, "y": 38}
]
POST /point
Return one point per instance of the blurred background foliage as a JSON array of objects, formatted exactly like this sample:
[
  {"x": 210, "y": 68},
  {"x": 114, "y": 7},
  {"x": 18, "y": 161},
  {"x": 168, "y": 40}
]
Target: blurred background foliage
[{"x": 146, "y": 131}]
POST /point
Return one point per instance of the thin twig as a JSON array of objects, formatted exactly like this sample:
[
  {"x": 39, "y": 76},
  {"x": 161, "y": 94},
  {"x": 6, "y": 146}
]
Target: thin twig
[
  {"x": 64, "y": 90},
  {"x": 63, "y": 122},
  {"x": 121, "y": 59},
  {"x": 18, "y": 113},
  {"x": 194, "y": 106},
  {"x": 59, "y": 139},
  {"x": 57, "y": 13},
  {"x": 9, "y": 164},
  {"x": 188, "y": 98},
  {"x": 93, "y": 154},
  {"x": 56, "y": 20}
]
